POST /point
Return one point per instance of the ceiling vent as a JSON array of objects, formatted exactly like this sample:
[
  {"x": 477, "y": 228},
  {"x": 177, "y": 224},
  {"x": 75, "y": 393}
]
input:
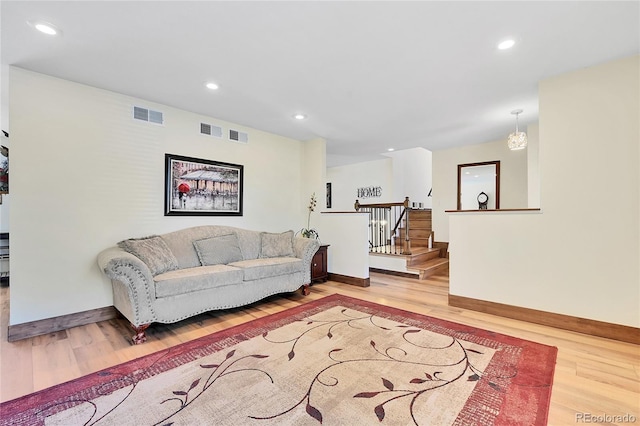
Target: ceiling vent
[
  {"x": 237, "y": 136},
  {"x": 148, "y": 115},
  {"x": 210, "y": 130}
]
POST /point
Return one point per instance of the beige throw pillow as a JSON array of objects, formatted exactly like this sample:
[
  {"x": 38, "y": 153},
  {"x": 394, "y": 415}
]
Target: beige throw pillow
[
  {"x": 276, "y": 245},
  {"x": 219, "y": 250},
  {"x": 153, "y": 251}
]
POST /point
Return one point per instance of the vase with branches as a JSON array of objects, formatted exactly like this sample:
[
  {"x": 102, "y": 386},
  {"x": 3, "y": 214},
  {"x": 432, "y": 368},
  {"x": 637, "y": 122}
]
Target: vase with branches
[{"x": 309, "y": 232}]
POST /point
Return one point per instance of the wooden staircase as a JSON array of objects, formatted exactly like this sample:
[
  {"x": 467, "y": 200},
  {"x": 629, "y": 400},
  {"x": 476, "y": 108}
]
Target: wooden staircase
[
  {"x": 387, "y": 237},
  {"x": 419, "y": 228},
  {"x": 426, "y": 261}
]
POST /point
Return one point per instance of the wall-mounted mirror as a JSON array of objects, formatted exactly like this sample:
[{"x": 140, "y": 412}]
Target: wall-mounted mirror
[{"x": 479, "y": 186}]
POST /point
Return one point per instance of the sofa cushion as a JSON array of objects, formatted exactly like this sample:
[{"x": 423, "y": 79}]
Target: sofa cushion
[
  {"x": 218, "y": 250},
  {"x": 255, "y": 269},
  {"x": 194, "y": 279},
  {"x": 153, "y": 251},
  {"x": 276, "y": 245}
]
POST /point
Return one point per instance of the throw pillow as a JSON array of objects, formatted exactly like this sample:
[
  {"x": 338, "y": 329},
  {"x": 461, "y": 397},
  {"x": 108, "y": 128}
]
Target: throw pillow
[
  {"x": 218, "y": 250},
  {"x": 276, "y": 245},
  {"x": 153, "y": 251}
]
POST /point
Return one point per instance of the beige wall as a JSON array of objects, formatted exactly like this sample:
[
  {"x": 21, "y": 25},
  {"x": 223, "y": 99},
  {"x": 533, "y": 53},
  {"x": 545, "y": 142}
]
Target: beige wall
[
  {"x": 580, "y": 256},
  {"x": 533, "y": 165},
  {"x": 406, "y": 173},
  {"x": 85, "y": 175},
  {"x": 346, "y": 234},
  {"x": 345, "y": 180},
  {"x": 513, "y": 179},
  {"x": 412, "y": 175}
]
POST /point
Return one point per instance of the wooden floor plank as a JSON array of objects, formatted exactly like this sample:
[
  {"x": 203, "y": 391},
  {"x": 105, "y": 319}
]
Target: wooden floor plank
[
  {"x": 85, "y": 336},
  {"x": 593, "y": 375},
  {"x": 16, "y": 368},
  {"x": 53, "y": 362}
]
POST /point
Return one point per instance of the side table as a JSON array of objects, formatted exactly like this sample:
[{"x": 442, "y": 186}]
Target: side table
[{"x": 319, "y": 265}]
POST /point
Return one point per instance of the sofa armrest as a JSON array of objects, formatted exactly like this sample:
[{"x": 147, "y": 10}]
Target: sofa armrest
[
  {"x": 305, "y": 248},
  {"x": 135, "y": 278}
]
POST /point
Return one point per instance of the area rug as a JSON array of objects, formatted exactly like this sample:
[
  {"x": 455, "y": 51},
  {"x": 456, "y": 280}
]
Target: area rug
[{"x": 334, "y": 361}]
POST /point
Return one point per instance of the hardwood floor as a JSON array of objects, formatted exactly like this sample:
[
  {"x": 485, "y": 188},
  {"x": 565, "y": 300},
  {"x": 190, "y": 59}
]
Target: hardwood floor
[{"x": 593, "y": 375}]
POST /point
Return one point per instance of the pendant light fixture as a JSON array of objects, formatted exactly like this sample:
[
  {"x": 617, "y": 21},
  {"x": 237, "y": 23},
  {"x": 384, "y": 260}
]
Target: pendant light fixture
[{"x": 517, "y": 140}]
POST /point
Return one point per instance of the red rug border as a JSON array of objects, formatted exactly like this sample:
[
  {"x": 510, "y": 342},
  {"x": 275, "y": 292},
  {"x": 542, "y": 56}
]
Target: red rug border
[{"x": 272, "y": 321}]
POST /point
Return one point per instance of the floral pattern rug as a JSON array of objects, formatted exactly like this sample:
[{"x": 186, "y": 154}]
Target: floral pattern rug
[{"x": 334, "y": 361}]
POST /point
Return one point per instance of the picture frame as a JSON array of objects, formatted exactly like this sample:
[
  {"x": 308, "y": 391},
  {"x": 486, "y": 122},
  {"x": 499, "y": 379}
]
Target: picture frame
[
  {"x": 4, "y": 166},
  {"x": 200, "y": 187}
]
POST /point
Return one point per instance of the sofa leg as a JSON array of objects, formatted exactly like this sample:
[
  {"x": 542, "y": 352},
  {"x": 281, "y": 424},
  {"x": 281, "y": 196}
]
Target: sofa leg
[
  {"x": 305, "y": 290},
  {"x": 140, "y": 336}
]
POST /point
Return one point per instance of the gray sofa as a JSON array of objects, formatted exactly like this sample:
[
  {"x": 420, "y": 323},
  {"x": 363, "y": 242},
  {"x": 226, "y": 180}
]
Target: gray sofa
[{"x": 170, "y": 277}]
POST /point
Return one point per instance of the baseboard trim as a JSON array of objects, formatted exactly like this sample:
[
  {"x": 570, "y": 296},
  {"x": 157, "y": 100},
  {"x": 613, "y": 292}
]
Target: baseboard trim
[
  {"x": 360, "y": 282},
  {"x": 63, "y": 322},
  {"x": 591, "y": 327},
  {"x": 395, "y": 273}
]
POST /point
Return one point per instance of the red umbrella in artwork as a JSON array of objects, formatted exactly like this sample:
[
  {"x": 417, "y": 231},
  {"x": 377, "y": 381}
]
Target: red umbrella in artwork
[{"x": 183, "y": 188}]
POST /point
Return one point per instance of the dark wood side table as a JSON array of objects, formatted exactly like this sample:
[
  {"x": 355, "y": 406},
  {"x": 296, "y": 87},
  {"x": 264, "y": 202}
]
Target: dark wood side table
[{"x": 319, "y": 265}]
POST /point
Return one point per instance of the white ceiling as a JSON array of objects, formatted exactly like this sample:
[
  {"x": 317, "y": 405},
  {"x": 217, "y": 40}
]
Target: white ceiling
[{"x": 369, "y": 75}]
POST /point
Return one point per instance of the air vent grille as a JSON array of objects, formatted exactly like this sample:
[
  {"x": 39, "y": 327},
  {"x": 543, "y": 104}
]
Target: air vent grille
[
  {"x": 145, "y": 114},
  {"x": 238, "y": 136},
  {"x": 140, "y": 113},
  {"x": 211, "y": 130},
  {"x": 155, "y": 117}
]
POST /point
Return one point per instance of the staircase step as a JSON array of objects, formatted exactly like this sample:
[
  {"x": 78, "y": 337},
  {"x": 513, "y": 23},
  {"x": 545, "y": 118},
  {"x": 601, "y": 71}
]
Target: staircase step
[
  {"x": 419, "y": 223},
  {"x": 420, "y": 255},
  {"x": 415, "y": 233},
  {"x": 419, "y": 242},
  {"x": 419, "y": 214},
  {"x": 416, "y": 243},
  {"x": 430, "y": 267}
]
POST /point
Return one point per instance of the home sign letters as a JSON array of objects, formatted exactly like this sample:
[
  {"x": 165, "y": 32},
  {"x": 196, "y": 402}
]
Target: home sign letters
[{"x": 370, "y": 192}]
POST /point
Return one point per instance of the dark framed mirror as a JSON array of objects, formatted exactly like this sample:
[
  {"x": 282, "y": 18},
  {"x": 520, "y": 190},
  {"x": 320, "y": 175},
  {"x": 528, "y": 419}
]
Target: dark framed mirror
[{"x": 479, "y": 186}]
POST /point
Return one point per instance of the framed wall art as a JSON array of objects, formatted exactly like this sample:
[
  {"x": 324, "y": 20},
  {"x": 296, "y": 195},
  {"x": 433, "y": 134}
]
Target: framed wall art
[
  {"x": 195, "y": 186},
  {"x": 4, "y": 166}
]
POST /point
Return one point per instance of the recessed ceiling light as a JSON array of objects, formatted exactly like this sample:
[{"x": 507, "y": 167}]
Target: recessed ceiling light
[
  {"x": 212, "y": 86},
  {"x": 45, "y": 27},
  {"x": 390, "y": 149},
  {"x": 300, "y": 116},
  {"x": 506, "y": 44}
]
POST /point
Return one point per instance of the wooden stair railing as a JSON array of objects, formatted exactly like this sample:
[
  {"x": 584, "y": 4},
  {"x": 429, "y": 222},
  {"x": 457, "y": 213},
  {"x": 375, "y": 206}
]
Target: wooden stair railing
[{"x": 383, "y": 238}]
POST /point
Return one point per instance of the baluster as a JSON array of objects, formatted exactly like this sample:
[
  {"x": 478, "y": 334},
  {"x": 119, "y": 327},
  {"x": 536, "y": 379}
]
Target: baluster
[
  {"x": 389, "y": 229},
  {"x": 380, "y": 214},
  {"x": 382, "y": 226},
  {"x": 373, "y": 226},
  {"x": 393, "y": 237},
  {"x": 371, "y": 240},
  {"x": 378, "y": 229},
  {"x": 375, "y": 229},
  {"x": 383, "y": 231},
  {"x": 406, "y": 231}
]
